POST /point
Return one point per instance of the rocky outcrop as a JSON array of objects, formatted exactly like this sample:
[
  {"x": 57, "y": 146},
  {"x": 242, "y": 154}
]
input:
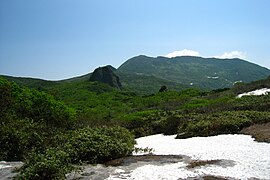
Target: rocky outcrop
[
  {"x": 106, "y": 75},
  {"x": 163, "y": 89}
]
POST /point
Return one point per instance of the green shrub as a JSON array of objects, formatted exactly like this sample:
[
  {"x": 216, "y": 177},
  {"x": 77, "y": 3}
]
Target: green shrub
[
  {"x": 255, "y": 103},
  {"x": 43, "y": 108},
  {"x": 53, "y": 164},
  {"x": 220, "y": 123},
  {"x": 28, "y": 118},
  {"x": 23, "y": 102},
  {"x": 98, "y": 144},
  {"x": 19, "y": 137},
  {"x": 140, "y": 123},
  {"x": 94, "y": 145},
  {"x": 171, "y": 124}
]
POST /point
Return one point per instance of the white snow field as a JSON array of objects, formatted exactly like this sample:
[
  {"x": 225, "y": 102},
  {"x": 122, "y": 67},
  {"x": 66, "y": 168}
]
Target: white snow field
[
  {"x": 257, "y": 92},
  {"x": 247, "y": 159}
]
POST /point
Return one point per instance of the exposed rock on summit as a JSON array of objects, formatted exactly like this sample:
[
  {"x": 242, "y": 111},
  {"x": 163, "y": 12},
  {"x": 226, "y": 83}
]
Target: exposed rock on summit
[{"x": 106, "y": 75}]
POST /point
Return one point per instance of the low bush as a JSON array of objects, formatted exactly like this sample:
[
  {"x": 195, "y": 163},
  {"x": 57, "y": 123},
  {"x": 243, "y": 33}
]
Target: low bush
[
  {"x": 28, "y": 118},
  {"x": 140, "y": 123},
  {"x": 90, "y": 145},
  {"x": 98, "y": 145},
  {"x": 220, "y": 123},
  {"x": 19, "y": 137},
  {"x": 54, "y": 163},
  {"x": 170, "y": 124}
]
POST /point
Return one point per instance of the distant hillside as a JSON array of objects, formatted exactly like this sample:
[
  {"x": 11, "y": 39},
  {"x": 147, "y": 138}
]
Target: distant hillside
[
  {"x": 147, "y": 84},
  {"x": 209, "y": 73},
  {"x": 35, "y": 83},
  {"x": 145, "y": 75}
]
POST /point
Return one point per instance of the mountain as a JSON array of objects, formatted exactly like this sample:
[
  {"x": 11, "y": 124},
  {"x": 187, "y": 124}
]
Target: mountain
[
  {"x": 145, "y": 75},
  {"x": 208, "y": 73},
  {"x": 106, "y": 75},
  {"x": 90, "y": 111}
]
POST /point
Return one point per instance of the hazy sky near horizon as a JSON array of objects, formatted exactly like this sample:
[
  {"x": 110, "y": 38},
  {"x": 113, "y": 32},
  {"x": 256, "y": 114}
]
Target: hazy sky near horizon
[{"x": 58, "y": 39}]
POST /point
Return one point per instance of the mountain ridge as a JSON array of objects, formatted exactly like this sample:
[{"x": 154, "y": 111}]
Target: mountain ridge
[
  {"x": 198, "y": 71},
  {"x": 144, "y": 74}
]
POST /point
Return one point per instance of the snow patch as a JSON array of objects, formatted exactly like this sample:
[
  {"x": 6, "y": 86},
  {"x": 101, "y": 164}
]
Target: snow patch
[
  {"x": 168, "y": 171},
  {"x": 251, "y": 159},
  {"x": 237, "y": 82},
  {"x": 119, "y": 171},
  {"x": 4, "y": 164},
  {"x": 212, "y": 77},
  {"x": 257, "y": 92}
]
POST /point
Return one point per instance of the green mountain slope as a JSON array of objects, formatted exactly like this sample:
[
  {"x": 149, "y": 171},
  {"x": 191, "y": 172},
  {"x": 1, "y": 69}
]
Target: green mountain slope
[
  {"x": 145, "y": 75},
  {"x": 209, "y": 73},
  {"x": 146, "y": 84},
  {"x": 35, "y": 83}
]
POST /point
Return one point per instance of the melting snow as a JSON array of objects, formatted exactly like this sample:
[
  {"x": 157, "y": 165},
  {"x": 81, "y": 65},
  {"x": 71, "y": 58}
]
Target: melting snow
[
  {"x": 212, "y": 77},
  {"x": 4, "y": 164},
  {"x": 250, "y": 159},
  {"x": 237, "y": 82},
  {"x": 257, "y": 92}
]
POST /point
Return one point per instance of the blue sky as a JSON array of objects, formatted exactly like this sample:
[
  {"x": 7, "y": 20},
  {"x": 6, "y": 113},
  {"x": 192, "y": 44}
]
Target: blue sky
[{"x": 58, "y": 39}]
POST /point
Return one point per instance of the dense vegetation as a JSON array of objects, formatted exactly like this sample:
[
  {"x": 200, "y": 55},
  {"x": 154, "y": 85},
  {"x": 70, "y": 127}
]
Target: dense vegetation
[
  {"x": 226, "y": 122},
  {"x": 43, "y": 132},
  {"x": 91, "y": 145},
  {"x": 25, "y": 117},
  {"x": 77, "y": 122}
]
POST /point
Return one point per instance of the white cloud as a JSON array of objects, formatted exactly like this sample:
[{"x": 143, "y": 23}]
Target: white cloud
[
  {"x": 232, "y": 54},
  {"x": 226, "y": 55},
  {"x": 184, "y": 52}
]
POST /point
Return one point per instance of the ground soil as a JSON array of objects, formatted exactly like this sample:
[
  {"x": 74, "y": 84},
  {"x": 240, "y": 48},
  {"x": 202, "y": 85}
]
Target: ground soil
[{"x": 261, "y": 132}]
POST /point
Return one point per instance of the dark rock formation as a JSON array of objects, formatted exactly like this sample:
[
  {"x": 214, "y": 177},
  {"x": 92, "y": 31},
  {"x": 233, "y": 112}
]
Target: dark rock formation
[
  {"x": 106, "y": 75},
  {"x": 163, "y": 89}
]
